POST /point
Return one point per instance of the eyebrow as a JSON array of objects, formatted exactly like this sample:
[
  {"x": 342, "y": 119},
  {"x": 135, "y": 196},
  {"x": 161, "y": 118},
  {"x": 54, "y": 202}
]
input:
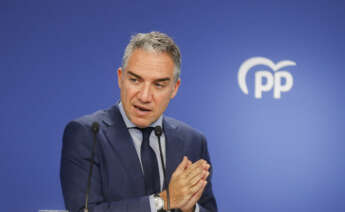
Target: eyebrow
[
  {"x": 135, "y": 75},
  {"x": 162, "y": 79},
  {"x": 157, "y": 80}
]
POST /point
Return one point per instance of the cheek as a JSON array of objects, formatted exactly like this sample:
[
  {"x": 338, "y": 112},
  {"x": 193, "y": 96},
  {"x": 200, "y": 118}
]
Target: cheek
[
  {"x": 163, "y": 100},
  {"x": 128, "y": 92}
]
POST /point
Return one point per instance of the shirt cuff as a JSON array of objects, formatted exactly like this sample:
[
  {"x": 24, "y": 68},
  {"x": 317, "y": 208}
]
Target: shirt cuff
[
  {"x": 152, "y": 203},
  {"x": 197, "y": 209}
]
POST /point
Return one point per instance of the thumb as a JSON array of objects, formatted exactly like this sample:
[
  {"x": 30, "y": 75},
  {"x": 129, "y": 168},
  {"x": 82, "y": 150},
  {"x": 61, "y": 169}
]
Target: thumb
[{"x": 184, "y": 163}]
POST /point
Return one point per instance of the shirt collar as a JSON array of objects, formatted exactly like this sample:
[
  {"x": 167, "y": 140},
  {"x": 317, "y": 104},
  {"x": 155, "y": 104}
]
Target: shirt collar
[{"x": 129, "y": 124}]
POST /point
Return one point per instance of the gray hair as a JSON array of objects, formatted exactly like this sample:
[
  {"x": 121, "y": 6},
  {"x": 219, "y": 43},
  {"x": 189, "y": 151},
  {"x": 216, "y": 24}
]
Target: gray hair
[{"x": 154, "y": 41}]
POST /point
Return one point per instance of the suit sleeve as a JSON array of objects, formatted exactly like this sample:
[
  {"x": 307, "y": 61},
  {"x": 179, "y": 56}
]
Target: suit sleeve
[
  {"x": 207, "y": 202},
  {"x": 74, "y": 171}
]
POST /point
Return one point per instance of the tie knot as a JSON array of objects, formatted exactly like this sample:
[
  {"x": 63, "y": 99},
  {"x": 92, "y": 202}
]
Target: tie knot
[{"x": 146, "y": 133}]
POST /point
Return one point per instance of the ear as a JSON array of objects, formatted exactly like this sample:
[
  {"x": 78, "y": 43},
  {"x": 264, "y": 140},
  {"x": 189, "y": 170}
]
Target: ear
[
  {"x": 119, "y": 76},
  {"x": 176, "y": 86}
]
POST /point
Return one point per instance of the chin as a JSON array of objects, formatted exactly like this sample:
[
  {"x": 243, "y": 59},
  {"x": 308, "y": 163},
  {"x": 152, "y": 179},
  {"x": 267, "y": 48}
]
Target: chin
[{"x": 141, "y": 124}]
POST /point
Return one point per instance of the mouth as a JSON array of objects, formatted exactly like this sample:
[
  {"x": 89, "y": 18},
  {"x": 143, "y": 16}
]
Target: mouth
[{"x": 142, "y": 109}]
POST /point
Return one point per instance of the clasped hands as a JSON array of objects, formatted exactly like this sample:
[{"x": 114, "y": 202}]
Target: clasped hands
[{"x": 187, "y": 184}]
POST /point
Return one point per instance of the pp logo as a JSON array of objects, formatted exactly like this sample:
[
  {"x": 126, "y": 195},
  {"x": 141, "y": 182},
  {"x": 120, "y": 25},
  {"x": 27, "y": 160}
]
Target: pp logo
[{"x": 273, "y": 80}]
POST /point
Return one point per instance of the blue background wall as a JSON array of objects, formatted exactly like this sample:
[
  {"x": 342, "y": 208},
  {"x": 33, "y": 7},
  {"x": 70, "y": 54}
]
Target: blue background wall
[{"x": 58, "y": 61}]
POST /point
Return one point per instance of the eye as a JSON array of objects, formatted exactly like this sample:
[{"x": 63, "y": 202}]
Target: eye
[
  {"x": 159, "y": 85},
  {"x": 133, "y": 79}
]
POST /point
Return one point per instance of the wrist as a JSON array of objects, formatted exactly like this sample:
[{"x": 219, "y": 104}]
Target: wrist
[
  {"x": 189, "y": 210},
  {"x": 163, "y": 195}
]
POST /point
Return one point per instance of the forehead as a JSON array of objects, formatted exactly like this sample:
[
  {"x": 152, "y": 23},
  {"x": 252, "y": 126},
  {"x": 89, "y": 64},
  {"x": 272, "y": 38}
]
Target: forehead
[{"x": 150, "y": 63}]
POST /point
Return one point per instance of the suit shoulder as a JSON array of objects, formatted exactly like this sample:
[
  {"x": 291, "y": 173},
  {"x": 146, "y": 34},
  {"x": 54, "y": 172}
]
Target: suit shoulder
[
  {"x": 88, "y": 119},
  {"x": 183, "y": 127},
  {"x": 78, "y": 126},
  {"x": 78, "y": 130},
  {"x": 100, "y": 116}
]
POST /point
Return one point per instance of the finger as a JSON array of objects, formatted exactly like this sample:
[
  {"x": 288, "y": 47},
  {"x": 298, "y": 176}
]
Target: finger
[
  {"x": 201, "y": 176},
  {"x": 207, "y": 166},
  {"x": 205, "y": 176},
  {"x": 195, "y": 166},
  {"x": 203, "y": 163},
  {"x": 195, "y": 198},
  {"x": 194, "y": 170},
  {"x": 195, "y": 174},
  {"x": 188, "y": 165},
  {"x": 198, "y": 194},
  {"x": 184, "y": 163},
  {"x": 197, "y": 187}
]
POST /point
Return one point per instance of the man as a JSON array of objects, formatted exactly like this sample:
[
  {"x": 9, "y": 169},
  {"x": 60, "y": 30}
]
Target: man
[{"x": 128, "y": 173}]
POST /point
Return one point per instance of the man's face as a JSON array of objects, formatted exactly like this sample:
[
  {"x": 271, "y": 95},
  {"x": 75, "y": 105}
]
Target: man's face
[{"x": 147, "y": 85}]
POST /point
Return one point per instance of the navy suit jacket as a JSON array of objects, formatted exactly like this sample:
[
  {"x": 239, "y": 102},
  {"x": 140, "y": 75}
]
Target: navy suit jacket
[{"x": 117, "y": 180}]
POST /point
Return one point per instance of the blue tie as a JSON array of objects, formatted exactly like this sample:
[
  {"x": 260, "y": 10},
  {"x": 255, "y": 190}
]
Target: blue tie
[{"x": 150, "y": 165}]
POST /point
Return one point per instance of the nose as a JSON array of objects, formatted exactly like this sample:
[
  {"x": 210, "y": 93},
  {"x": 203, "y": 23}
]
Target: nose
[{"x": 145, "y": 94}]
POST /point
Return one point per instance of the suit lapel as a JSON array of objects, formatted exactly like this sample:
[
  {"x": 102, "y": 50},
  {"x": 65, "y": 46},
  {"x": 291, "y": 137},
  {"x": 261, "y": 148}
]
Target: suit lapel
[
  {"x": 121, "y": 141},
  {"x": 174, "y": 147}
]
